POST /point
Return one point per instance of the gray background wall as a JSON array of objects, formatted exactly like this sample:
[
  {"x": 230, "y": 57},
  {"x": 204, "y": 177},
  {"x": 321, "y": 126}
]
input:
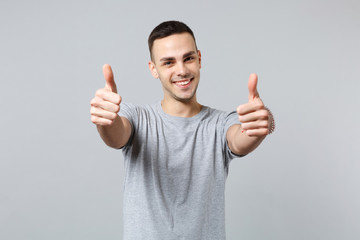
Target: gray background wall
[{"x": 59, "y": 181}]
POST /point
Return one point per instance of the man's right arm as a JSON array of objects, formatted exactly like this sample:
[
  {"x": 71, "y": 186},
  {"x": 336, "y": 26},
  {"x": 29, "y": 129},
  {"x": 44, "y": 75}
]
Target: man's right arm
[{"x": 113, "y": 129}]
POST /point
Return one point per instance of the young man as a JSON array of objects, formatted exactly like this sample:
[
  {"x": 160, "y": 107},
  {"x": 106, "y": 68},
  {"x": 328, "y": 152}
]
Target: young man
[{"x": 176, "y": 151}]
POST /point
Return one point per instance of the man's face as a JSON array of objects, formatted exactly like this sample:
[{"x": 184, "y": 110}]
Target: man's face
[{"x": 177, "y": 63}]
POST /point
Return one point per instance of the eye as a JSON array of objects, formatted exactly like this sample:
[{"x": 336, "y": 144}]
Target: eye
[
  {"x": 188, "y": 59},
  {"x": 168, "y": 63}
]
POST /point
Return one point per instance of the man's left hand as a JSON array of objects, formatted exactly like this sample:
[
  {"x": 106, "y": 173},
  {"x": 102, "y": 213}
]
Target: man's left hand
[{"x": 253, "y": 115}]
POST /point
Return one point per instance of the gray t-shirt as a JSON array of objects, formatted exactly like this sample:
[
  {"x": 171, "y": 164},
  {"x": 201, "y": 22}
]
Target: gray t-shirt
[{"x": 175, "y": 172}]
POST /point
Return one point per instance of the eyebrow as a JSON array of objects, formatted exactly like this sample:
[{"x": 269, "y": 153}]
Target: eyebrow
[{"x": 164, "y": 59}]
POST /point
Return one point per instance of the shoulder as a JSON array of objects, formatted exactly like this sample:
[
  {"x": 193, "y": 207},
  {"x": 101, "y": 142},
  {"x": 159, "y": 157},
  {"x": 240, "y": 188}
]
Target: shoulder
[
  {"x": 219, "y": 114},
  {"x": 138, "y": 107},
  {"x": 223, "y": 119},
  {"x": 138, "y": 110}
]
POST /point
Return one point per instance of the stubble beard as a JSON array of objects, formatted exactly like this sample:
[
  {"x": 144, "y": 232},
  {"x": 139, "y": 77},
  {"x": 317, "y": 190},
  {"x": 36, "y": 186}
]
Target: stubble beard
[
  {"x": 188, "y": 99},
  {"x": 185, "y": 100},
  {"x": 193, "y": 94}
]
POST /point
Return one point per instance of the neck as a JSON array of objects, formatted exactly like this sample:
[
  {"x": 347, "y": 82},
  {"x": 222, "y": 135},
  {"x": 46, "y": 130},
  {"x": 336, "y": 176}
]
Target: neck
[{"x": 181, "y": 109}]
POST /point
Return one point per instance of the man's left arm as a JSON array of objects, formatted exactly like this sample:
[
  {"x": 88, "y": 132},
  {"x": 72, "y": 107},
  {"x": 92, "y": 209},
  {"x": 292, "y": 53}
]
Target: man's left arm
[{"x": 256, "y": 123}]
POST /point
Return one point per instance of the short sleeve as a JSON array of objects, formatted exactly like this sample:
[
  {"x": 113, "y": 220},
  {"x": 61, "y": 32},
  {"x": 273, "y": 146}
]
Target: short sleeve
[
  {"x": 231, "y": 118},
  {"x": 128, "y": 111}
]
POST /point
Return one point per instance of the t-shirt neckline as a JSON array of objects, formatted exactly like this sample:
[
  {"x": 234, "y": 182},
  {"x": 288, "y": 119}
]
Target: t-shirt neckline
[{"x": 183, "y": 119}]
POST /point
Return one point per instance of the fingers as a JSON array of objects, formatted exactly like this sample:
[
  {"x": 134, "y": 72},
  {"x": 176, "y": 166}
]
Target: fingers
[
  {"x": 109, "y": 78},
  {"x": 103, "y": 112},
  {"x": 100, "y": 113},
  {"x": 104, "y": 107},
  {"x": 101, "y": 121},
  {"x": 256, "y": 128},
  {"x": 257, "y": 132},
  {"x": 254, "y": 116},
  {"x": 252, "y": 86},
  {"x": 106, "y": 103},
  {"x": 98, "y": 102},
  {"x": 109, "y": 96},
  {"x": 254, "y": 125},
  {"x": 252, "y": 106}
]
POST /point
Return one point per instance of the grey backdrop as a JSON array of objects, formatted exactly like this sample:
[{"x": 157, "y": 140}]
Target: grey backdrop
[{"x": 59, "y": 181}]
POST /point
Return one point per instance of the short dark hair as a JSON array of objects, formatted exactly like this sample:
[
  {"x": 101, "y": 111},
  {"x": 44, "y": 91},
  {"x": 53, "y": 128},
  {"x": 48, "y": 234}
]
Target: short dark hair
[{"x": 166, "y": 29}]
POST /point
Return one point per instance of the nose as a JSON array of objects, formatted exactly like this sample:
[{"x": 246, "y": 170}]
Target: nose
[{"x": 181, "y": 70}]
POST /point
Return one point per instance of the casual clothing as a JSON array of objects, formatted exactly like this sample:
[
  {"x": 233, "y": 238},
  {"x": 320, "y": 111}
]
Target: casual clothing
[{"x": 175, "y": 172}]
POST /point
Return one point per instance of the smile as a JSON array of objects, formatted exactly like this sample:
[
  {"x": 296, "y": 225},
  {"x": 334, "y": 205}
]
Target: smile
[{"x": 183, "y": 83}]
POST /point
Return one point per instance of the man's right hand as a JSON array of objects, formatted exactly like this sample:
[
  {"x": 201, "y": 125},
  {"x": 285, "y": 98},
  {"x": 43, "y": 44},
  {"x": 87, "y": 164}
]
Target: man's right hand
[{"x": 106, "y": 103}]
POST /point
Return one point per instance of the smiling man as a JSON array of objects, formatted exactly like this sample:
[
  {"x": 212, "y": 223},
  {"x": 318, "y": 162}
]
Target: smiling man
[{"x": 177, "y": 151}]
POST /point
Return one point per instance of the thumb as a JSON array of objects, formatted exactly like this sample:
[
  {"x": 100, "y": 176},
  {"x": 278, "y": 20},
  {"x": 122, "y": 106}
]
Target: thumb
[
  {"x": 252, "y": 86},
  {"x": 109, "y": 78}
]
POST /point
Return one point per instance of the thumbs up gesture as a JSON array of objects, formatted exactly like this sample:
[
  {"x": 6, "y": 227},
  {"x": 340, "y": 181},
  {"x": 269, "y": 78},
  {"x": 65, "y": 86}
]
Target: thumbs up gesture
[
  {"x": 254, "y": 116},
  {"x": 106, "y": 103}
]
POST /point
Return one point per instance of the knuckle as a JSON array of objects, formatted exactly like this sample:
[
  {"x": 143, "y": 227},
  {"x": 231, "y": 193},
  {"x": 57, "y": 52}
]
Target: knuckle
[
  {"x": 264, "y": 131},
  {"x": 93, "y": 101},
  {"x": 117, "y": 99},
  {"x": 113, "y": 116},
  {"x": 99, "y": 92},
  {"x": 259, "y": 105},
  {"x": 117, "y": 108},
  {"x": 265, "y": 124},
  {"x": 264, "y": 114},
  {"x": 109, "y": 122},
  {"x": 94, "y": 119},
  {"x": 93, "y": 111}
]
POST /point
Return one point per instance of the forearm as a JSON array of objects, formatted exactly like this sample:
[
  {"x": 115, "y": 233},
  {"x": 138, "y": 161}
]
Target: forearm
[
  {"x": 240, "y": 143},
  {"x": 117, "y": 134}
]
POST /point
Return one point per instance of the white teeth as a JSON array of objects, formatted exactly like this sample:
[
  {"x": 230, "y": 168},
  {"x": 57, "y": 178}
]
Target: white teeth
[{"x": 183, "y": 83}]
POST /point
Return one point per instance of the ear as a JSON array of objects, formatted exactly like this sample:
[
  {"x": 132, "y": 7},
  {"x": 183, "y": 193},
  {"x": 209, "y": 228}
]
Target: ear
[
  {"x": 199, "y": 54},
  {"x": 153, "y": 70}
]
